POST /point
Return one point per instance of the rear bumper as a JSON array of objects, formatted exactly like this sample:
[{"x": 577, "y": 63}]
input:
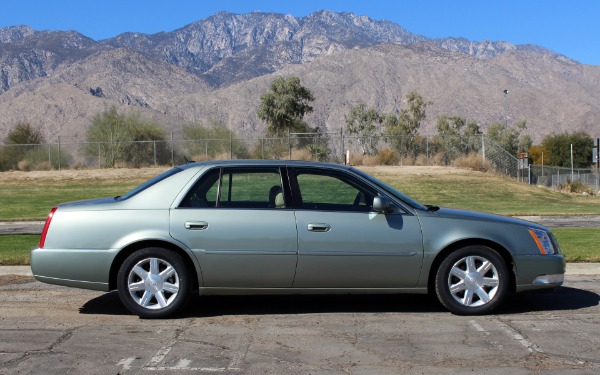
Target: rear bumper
[{"x": 87, "y": 269}]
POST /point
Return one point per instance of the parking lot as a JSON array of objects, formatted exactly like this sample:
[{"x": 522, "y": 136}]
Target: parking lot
[{"x": 57, "y": 330}]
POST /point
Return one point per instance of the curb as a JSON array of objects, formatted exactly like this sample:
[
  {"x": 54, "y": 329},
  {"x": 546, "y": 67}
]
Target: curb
[{"x": 573, "y": 269}]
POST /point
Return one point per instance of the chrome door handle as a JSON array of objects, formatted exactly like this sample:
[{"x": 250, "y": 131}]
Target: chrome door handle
[
  {"x": 319, "y": 227},
  {"x": 196, "y": 225}
]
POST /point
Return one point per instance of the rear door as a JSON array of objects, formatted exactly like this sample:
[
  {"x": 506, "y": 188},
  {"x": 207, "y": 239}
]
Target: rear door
[{"x": 238, "y": 224}]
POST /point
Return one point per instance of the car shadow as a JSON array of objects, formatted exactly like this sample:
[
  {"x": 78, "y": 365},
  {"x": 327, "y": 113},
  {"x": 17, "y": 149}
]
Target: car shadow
[{"x": 560, "y": 299}]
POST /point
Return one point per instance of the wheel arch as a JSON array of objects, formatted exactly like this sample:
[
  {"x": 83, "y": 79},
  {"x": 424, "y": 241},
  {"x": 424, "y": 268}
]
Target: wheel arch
[
  {"x": 439, "y": 258},
  {"x": 131, "y": 248}
]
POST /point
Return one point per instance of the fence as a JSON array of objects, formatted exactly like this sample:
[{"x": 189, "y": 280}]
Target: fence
[
  {"x": 543, "y": 175},
  {"x": 332, "y": 147}
]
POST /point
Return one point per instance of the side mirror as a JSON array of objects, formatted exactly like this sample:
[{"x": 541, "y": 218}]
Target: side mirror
[{"x": 381, "y": 204}]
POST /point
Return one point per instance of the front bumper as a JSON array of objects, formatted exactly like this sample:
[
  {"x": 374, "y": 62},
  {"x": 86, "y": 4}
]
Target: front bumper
[{"x": 539, "y": 271}]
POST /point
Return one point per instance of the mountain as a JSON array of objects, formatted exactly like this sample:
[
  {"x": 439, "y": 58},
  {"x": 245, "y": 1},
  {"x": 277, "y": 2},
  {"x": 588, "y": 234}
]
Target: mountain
[
  {"x": 224, "y": 43},
  {"x": 457, "y": 84},
  {"x": 218, "y": 68}
]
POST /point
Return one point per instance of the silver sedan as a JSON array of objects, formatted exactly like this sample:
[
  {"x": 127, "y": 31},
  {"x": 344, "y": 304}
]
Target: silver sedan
[{"x": 286, "y": 227}]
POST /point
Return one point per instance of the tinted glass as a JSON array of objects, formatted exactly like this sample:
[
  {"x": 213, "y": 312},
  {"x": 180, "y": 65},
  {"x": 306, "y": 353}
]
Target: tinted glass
[
  {"x": 335, "y": 192},
  {"x": 237, "y": 188}
]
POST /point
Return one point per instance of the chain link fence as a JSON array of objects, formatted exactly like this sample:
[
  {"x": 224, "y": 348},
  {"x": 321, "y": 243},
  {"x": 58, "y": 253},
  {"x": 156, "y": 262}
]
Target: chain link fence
[
  {"x": 560, "y": 177},
  {"x": 473, "y": 151}
]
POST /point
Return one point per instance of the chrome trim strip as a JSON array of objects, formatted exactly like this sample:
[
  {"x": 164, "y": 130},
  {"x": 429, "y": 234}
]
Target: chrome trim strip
[
  {"x": 248, "y": 252},
  {"x": 358, "y": 253}
]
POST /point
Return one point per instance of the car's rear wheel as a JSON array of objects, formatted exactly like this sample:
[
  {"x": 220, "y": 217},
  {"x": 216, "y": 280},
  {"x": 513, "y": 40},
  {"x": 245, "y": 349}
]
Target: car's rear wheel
[
  {"x": 473, "y": 280},
  {"x": 153, "y": 283}
]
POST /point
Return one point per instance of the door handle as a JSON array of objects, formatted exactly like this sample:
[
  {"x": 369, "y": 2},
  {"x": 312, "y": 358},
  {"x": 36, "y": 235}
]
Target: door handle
[
  {"x": 196, "y": 225},
  {"x": 319, "y": 227}
]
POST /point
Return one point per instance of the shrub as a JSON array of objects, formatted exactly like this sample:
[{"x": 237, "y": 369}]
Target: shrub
[
  {"x": 575, "y": 187},
  {"x": 473, "y": 161},
  {"x": 387, "y": 156},
  {"x": 421, "y": 160},
  {"x": 24, "y": 165}
]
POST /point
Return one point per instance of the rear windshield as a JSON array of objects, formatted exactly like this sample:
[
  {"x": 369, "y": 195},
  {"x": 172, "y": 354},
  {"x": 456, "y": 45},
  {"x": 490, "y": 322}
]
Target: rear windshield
[{"x": 149, "y": 183}]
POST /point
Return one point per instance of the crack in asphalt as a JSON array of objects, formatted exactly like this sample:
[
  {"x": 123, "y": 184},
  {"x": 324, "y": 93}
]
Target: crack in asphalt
[{"x": 66, "y": 335}]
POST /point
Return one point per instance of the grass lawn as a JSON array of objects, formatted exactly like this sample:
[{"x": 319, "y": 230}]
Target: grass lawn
[
  {"x": 578, "y": 245},
  {"x": 15, "y": 249},
  {"x": 488, "y": 192},
  {"x": 27, "y": 196}
]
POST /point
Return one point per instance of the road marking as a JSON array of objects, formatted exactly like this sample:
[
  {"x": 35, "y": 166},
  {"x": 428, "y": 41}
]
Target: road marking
[
  {"x": 515, "y": 335},
  {"x": 242, "y": 350},
  {"x": 478, "y": 327},
  {"x": 162, "y": 353},
  {"x": 126, "y": 363}
]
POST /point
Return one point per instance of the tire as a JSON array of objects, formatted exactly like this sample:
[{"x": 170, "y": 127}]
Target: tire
[
  {"x": 473, "y": 280},
  {"x": 154, "y": 283}
]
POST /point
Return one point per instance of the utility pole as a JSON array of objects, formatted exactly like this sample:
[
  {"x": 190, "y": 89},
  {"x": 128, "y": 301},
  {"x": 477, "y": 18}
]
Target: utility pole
[{"x": 505, "y": 108}]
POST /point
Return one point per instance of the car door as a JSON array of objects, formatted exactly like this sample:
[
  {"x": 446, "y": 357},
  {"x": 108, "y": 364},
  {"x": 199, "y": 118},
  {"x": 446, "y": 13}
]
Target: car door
[
  {"x": 237, "y": 223},
  {"x": 342, "y": 243}
]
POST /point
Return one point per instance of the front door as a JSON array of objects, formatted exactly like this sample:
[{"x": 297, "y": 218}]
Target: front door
[{"x": 343, "y": 244}]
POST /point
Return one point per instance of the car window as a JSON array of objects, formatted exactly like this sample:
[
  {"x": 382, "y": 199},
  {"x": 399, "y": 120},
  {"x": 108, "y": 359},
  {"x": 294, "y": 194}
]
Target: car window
[
  {"x": 238, "y": 188},
  {"x": 323, "y": 190},
  {"x": 204, "y": 193}
]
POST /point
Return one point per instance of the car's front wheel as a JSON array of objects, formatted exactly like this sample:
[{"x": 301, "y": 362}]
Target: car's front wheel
[
  {"x": 153, "y": 283},
  {"x": 472, "y": 280}
]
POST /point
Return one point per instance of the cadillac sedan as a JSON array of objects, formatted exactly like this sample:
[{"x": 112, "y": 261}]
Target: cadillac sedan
[{"x": 287, "y": 227}]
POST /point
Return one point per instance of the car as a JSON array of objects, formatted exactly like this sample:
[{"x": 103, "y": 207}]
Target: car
[{"x": 288, "y": 227}]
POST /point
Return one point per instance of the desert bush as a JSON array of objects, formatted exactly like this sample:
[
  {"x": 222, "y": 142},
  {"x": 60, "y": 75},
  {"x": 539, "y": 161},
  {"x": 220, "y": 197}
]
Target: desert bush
[
  {"x": 355, "y": 159},
  {"x": 407, "y": 160},
  {"x": 24, "y": 165},
  {"x": 473, "y": 161},
  {"x": 437, "y": 159},
  {"x": 42, "y": 166},
  {"x": 370, "y": 160},
  {"x": 302, "y": 154},
  {"x": 575, "y": 187},
  {"x": 387, "y": 156},
  {"x": 421, "y": 160}
]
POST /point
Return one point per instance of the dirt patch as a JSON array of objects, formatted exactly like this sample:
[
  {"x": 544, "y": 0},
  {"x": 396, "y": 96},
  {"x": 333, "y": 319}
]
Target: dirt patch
[
  {"x": 82, "y": 174},
  {"x": 415, "y": 170},
  {"x": 15, "y": 280}
]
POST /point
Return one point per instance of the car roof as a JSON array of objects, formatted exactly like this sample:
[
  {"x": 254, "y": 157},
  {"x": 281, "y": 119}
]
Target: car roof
[{"x": 263, "y": 163}]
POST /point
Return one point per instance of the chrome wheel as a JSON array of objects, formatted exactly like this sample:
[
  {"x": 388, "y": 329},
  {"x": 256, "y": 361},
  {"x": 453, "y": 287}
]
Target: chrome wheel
[
  {"x": 153, "y": 283},
  {"x": 473, "y": 281}
]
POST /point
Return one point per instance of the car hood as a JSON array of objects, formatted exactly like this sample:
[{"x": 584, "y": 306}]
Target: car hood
[{"x": 452, "y": 213}]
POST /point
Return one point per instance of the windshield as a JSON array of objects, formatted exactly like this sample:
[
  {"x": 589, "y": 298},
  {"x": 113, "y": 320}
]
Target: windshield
[
  {"x": 149, "y": 183},
  {"x": 403, "y": 197}
]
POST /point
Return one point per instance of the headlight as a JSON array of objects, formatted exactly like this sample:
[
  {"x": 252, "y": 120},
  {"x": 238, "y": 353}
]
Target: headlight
[{"x": 542, "y": 240}]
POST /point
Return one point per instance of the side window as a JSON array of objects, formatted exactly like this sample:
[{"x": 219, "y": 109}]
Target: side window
[
  {"x": 204, "y": 193},
  {"x": 333, "y": 192},
  {"x": 251, "y": 189}
]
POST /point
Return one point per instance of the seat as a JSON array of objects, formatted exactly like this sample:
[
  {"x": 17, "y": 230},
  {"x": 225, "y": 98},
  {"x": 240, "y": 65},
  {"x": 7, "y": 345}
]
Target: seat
[{"x": 276, "y": 197}]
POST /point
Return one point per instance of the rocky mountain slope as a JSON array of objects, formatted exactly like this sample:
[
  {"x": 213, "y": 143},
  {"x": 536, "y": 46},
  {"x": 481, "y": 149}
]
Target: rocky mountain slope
[{"x": 217, "y": 68}]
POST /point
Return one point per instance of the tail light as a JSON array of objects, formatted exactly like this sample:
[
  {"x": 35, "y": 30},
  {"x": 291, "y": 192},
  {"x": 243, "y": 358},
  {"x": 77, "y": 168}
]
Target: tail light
[{"x": 46, "y": 227}]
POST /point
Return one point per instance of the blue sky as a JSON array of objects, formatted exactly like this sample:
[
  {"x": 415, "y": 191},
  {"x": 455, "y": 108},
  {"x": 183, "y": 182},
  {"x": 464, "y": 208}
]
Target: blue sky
[{"x": 569, "y": 27}]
